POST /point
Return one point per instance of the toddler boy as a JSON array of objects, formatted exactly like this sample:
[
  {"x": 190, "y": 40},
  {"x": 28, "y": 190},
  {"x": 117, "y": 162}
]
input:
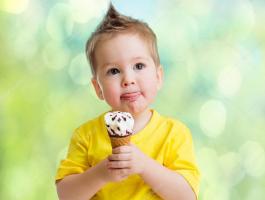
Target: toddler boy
[{"x": 159, "y": 163}]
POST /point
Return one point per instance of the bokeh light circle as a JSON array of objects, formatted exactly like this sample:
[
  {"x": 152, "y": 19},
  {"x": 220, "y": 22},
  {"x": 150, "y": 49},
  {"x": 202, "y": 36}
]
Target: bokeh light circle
[
  {"x": 232, "y": 169},
  {"x": 79, "y": 70},
  {"x": 14, "y": 6},
  {"x": 85, "y": 10},
  {"x": 229, "y": 81},
  {"x": 213, "y": 118},
  {"x": 60, "y": 23},
  {"x": 253, "y": 157},
  {"x": 55, "y": 55}
]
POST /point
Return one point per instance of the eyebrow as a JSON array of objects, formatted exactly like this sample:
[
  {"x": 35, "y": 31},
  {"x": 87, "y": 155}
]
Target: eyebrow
[{"x": 105, "y": 65}]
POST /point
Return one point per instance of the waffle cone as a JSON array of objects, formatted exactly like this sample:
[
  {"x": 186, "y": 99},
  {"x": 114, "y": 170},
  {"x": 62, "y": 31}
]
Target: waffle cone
[{"x": 120, "y": 141}]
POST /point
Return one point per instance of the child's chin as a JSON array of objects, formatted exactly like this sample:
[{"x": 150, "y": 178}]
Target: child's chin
[{"x": 136, "y": 109}]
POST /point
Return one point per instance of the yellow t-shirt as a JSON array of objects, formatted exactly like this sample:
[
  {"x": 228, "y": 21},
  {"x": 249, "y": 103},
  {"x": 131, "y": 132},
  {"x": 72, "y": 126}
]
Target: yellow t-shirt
[{"x": 166, "y": 140}]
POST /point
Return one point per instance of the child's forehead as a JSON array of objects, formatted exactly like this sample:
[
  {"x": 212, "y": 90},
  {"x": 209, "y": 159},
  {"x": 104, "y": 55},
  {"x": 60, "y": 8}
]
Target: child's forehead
[
  {"x": 121, "y": 44},
  {"x": 108, "y": 37}
]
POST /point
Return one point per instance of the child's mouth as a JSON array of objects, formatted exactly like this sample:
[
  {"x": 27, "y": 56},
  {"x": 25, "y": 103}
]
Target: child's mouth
[{"x": 132, "y": 96}]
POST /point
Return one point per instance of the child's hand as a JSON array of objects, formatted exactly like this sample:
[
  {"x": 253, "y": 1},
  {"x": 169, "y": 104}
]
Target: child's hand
[
  {"x": 107, "y": 175},
  {"x": 126, "y": 160}
]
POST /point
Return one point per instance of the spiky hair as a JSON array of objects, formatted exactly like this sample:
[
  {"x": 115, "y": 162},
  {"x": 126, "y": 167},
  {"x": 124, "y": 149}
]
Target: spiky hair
[{"x": 115, "y": 23}]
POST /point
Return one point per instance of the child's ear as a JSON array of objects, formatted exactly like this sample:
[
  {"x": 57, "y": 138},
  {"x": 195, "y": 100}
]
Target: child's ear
[
  {"x": 97, "y": 88},
  {"x": 160, "y": 76}
]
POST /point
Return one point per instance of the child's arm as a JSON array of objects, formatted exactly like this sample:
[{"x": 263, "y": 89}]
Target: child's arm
[
  {"x": 84, "y": 186},
  {"x": 80, "y": 186},
  {"x": 166, "y": 183}
]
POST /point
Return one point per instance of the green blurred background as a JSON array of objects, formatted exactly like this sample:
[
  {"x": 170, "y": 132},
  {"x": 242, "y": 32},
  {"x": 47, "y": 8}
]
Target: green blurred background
[{"x": 213, "y": 54}]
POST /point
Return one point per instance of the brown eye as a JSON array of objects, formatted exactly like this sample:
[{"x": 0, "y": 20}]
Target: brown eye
[
  {"x": 139, "y": 66},
  {"x": 113, "y": 71}
]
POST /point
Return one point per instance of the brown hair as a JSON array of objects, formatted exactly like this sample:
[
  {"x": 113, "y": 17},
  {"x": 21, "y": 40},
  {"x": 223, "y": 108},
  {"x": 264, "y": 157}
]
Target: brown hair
[{"x": 115, "y": 23}]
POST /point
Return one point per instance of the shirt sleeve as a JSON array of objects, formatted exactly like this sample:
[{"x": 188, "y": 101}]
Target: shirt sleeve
[
  {"x": 180, "y": 157},
  {"x": 76, "y": 161}
]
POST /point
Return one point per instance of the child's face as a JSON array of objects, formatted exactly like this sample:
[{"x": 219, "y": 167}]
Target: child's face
[{"x": 126, "y": 75}]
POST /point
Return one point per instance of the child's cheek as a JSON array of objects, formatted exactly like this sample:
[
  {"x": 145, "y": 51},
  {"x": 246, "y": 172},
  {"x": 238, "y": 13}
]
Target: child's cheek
[
  {"x": 150, "y": 88},
  {"x": 112, "y": 96}
]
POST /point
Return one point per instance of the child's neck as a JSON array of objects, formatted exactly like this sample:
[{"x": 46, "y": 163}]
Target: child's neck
[{"x": 141, "y": 120}]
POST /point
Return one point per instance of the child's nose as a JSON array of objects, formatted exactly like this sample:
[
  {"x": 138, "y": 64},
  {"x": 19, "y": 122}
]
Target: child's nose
[
  {"x": 126, "y": 84},
  {"x": 128, "y": 80}
]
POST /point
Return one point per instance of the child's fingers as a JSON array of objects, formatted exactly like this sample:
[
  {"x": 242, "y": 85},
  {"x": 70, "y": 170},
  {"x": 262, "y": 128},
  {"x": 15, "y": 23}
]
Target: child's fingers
[
  {"x": 119, "y": 164},
  {"x": 122, "y": 149},
  {"x": 120, "y": 156},
  {"x": 120, "y": 172}
]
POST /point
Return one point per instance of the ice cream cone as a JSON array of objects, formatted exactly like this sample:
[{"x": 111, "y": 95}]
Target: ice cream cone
[
  {"x": 120, "y": 127},
  {"x": 120, "y": 141}
]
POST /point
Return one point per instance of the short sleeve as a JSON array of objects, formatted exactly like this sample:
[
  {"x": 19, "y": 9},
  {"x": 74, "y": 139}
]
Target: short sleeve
[
  {"x": 180, "y": 157},
  {"x": 76, "y": 161}
]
